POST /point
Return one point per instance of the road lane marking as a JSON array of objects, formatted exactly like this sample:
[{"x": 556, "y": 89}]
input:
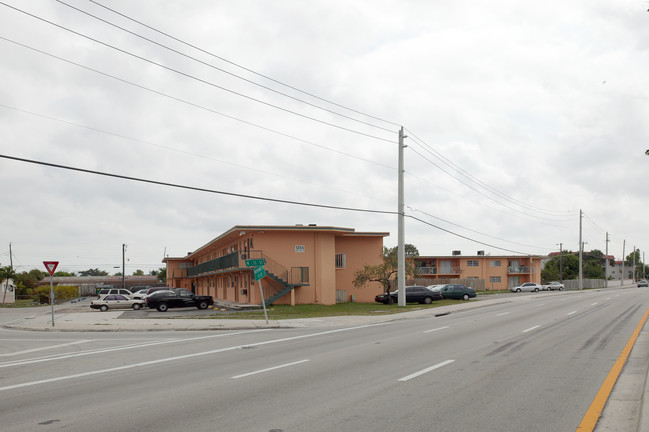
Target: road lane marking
[
  {"x": 181, "y": 357},
  {"x": 530, "y": 329},
  {"x": 113, "y": 349},
  {"x": 269, "y": 369},
  {"x": 573, "y": 312},
  {"x": 591, "y": 417},
  {"x": 433, "y": 330},
  {"x": 593, "y": 304},
  {"x": 46, "y": 348},
  {"x": 423, "y": 371},
  {"x": 501, "y": 314}
]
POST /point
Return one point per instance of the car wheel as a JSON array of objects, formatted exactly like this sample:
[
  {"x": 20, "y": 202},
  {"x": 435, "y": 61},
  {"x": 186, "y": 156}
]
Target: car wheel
[
  {"x": 428, "y": 300},
  {"x": 103, "y": 308},
  {"x": 518, "y": 290},
  {"x": 202, "y": 305},
  {"x": 136, "y": 306},
  {"x": 466, "y": 297},
  {"x": 162, "y": 307},
  {"x": 536, "y": 290}
]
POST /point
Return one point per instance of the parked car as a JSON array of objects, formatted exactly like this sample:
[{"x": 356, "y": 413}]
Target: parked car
[
  {"x": 414, "y": 294},
  {"x": 120, "y": 291},
  {"x": 554, "y": 285},
  {"x": 177, "y": 298},
  {"x": 116, "y": 301},
  {"x": 527, "y": 286},
  {"x": 151, "y": 290},
  {"x": 643, "y": 283},
  {"x": 139, "y": 295},
  {"x": 454, "y": 291}
]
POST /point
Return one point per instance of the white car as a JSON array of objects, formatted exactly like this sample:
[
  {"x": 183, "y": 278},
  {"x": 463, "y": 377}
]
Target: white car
[
  {"x": 116, "y": 301},
  {"x": 527, "y": 286},
  {"x": 554, "y": 285}
]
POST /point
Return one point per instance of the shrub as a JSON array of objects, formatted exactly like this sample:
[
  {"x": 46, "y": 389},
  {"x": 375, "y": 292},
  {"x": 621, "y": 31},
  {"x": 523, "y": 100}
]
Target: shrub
[{"x": 61, "y": 292}]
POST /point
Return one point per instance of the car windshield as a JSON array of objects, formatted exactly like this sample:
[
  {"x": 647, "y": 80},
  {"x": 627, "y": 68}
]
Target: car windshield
[{"x": 434, "y": 287}]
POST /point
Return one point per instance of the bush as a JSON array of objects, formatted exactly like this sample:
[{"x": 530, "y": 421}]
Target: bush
[{"x": 61, "y": 292}]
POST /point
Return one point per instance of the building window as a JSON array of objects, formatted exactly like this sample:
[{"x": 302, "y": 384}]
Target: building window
[
  {"x": 495, "y": 279},
  {"x": 472, "y": 263},
  {"x": 341, "y": 260},
  {"x": 494, "y": 263}
]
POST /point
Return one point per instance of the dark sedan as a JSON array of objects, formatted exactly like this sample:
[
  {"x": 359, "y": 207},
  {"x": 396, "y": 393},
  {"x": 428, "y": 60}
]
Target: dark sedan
[
  {"x": 177, "y": 298},
  {"x": 455, "y": 291},
  {"x": 414, "y": 294}
]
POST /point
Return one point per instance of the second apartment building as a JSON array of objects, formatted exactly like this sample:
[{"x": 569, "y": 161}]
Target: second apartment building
[{"x": 499, "y": 272}]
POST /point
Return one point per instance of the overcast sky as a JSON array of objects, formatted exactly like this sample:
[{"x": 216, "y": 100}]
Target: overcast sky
[{"x": 518, "y": 115}]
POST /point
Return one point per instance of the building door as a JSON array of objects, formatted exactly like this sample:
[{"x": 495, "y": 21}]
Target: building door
[
  {"x": 445, "y": 267},
  {"x": 514, "y": 281}
]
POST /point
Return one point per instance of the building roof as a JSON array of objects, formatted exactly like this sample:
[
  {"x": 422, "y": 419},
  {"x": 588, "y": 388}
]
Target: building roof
[{"x": 239, "y": 230}]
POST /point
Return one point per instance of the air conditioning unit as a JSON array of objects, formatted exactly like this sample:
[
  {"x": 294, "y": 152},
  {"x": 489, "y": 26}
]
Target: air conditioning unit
[
  {"x": 455, "y": 253},
  {"x": 480, "y": 253}
]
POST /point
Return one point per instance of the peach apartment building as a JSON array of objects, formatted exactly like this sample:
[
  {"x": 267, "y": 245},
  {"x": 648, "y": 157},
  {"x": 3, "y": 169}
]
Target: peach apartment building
[
  {"x": 303, "y": 264},
  {"x": 498, "y": 272}
]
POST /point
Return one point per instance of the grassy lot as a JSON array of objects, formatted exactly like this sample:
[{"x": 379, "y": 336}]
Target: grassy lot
[
  {"x": 340, "y": 309},
  {"x": 20, "y": 303}
]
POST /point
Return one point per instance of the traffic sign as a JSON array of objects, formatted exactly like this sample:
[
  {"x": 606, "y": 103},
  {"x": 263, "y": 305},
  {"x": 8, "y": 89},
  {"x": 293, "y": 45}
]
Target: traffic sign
[
  {"x": 260, "y": 273},
  {"x": 51, "y": 266},
  {"x": 255, "y": 262}
]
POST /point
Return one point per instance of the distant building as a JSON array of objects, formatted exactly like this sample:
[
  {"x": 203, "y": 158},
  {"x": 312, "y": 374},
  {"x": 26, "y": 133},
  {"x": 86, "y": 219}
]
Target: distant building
[
  {"x": 88, "y": 284},
  {"x": 304, "y": 264},
  {"x": 498, "y": 272}
]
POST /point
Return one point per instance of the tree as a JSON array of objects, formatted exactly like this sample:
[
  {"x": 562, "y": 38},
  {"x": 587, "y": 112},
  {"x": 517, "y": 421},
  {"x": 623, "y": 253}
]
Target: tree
[
  {"x": 138, "y": 272},
  {"x": 569, "y": 267},
  {"x": 162, "y": 274},
  {"x": 388, "y": 268},
  {"x": 6, "y": 273},
  {"x": 93, "y": 272},
  {"x": 64, "y": 274}
]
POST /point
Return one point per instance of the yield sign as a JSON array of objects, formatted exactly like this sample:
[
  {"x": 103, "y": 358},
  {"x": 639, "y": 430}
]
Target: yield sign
[{"x": 51, "y": 266}]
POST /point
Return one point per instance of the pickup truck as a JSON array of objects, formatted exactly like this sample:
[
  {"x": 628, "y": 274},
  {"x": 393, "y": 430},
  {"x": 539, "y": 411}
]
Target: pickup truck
[{"x": 177, "y": 298}]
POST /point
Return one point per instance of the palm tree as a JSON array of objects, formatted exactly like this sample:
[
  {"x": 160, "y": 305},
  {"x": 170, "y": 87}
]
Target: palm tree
[{"x": 6, "y": 273}]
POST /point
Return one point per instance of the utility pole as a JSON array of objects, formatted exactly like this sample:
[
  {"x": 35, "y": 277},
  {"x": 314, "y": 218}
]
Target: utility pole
[
  {"x": 633, "y": 263},
  {"x": 581, "y": 249},
  {"x": 606, "y": 264},
  {"x": 11, "y": 258},
  {"x": 123, "y": 266},
  {"x": 401, "y": 250},
  {"x": 561, "y": 262},
  {"x": 623, "y": 259}
]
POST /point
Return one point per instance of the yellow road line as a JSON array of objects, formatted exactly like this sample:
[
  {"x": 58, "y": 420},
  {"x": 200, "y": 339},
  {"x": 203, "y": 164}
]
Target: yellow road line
[{"x": 591, "y": 418}]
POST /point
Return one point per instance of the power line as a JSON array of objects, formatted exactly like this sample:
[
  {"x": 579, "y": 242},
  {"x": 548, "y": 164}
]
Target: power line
[
  {"x": 187, "y": 75},
  {"x": 177, "y": 99},
  {"x": 479, "y": 191},
  {"x": 190, "y": 153},
  {"x": 477, "y": 232},
  {"x": 118, "y": 176},
  {"x": 477, "y": 181},
  {"x": 222, "y": 70},
  {"x": 213, "y": 191},
  {"x": 240, "y": 66}
]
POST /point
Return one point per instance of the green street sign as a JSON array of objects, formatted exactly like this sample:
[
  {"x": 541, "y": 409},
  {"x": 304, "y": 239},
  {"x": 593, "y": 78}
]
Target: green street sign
[
  {"x": 260, "y": 273},
  {"x": 255, "y": 262}
]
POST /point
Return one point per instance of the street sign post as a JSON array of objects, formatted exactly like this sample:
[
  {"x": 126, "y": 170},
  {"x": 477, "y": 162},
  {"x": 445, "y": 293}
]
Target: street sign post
[
  {"x": 259, "y": 272},
  {"x": 255, "y": 262},
  {"x": 51, "y": 267}
]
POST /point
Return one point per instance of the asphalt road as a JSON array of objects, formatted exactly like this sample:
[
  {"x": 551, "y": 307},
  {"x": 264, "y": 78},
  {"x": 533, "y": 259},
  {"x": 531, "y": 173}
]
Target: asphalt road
[{"x": 530, "y": 365}]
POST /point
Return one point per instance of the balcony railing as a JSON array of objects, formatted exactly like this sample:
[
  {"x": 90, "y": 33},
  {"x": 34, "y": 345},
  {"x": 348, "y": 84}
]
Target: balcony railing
[
  {"x": 426, "y": 270},
  {"x": 453, "y": 271},
  {"x": 518, "y": 269},
  {"x": 226, "y": 262}
]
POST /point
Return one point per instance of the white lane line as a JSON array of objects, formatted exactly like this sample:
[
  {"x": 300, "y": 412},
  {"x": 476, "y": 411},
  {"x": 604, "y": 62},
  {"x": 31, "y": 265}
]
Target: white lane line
[
  {"x": 269, "y": 369},
  {"x": 423, "y": 371},
  {"x": 501, "y": 314},
  {"x": 593, "y": 304},
  {"x": 573, "y": 312},
  {"x": 182, "y": 357},
  {"x": 530, "y": 329},
  {"x": 45, "y": 348},
  {"x": 118, "y": 348},
  {"x": 433, "y": 330}
]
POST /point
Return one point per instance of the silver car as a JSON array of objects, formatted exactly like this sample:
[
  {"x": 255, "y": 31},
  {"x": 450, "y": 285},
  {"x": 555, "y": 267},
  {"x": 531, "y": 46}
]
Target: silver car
[
  {"x": 116, "y": 301},
  {"x": 527, "y": 286}
]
